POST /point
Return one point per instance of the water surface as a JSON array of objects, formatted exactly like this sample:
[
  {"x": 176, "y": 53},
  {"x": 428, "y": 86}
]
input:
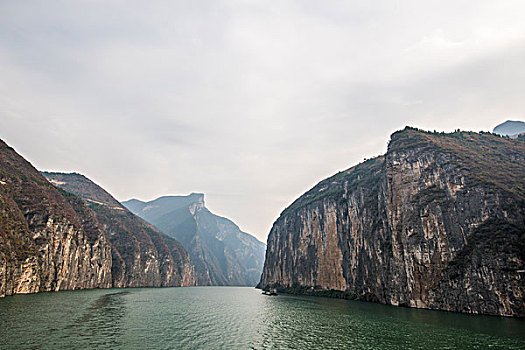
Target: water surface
[{"x": 237, "y": 318}]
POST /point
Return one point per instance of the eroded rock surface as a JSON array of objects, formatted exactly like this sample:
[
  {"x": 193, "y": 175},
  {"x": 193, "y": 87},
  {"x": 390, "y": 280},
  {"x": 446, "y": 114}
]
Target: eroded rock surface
[
  {"x": 437, "y": 222},
  {"x": 48, "y": 242},
  {"x": 143, "y": 256},
  {"x": 52, "y": 240}
]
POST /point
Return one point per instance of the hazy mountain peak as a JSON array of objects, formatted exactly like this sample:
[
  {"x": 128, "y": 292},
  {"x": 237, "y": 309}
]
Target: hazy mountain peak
[
  {"x": 222, "y": 253},
  {"x": 510, "y": 128}
]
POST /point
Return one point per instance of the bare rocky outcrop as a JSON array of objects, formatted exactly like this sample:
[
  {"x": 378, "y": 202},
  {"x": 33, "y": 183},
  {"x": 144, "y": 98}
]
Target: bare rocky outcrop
[
  {"x": 47, "y": 243},
  {"x": 143, "y": 256},
  {"x": 437, "y": 222},
  {"x": 52, "y": 240}
]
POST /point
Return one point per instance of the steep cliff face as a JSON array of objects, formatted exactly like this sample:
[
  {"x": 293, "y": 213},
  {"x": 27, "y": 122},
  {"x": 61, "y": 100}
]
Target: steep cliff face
[
  {"x": 52, "y": 240},
  {"x": 222, "y": 253},
  {"x": 142, "y": 255},
  {"x": 438, "y": 222},
  {"x": 49, "y": 241}
]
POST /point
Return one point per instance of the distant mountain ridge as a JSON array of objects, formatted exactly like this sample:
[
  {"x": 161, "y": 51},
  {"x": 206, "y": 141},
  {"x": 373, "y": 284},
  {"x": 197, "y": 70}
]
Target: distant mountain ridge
[
  {"x": 511, "y": 128},
  {"x": 221, "y": 252}
]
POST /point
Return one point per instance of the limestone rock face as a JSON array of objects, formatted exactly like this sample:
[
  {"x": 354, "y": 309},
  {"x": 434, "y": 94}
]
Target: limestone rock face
[
  {"x": 142, "y": 255},
  {"x": 47, "y": 242},
  {"x": 438, "y": 222},
  {"x": 51, "y": 239}
]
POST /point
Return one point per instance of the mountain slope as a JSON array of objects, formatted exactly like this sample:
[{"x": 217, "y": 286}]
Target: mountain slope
[
  {"x": 437, "y": 222},
  {"x": 49, "y": 240},
  {"x": 142, "y": 255},
  {"x": 221, "y": 252}
]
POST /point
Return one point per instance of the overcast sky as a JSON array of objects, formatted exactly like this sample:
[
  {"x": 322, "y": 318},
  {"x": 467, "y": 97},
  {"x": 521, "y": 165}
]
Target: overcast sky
[{"x": 250, "y": 102}]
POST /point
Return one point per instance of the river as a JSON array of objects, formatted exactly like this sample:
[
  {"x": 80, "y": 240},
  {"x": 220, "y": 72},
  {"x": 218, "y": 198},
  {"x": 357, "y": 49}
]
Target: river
[{"x": 237, "y": 318}]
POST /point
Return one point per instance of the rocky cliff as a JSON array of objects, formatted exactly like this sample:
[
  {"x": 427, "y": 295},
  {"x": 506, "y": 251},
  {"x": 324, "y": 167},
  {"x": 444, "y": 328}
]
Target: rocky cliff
[
  {"x": 142, "y": 255},
  {"x": 49, "y": 240},
  {"x": 437, "y": 222},
  {"x": 222, "y": 253}
]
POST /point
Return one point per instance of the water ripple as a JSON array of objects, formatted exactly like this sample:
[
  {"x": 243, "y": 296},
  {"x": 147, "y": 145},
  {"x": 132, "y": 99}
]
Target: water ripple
[{"x": 236, "y": 318}]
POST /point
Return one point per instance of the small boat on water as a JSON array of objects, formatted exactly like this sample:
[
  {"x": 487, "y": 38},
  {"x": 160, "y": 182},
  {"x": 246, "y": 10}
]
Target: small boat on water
[{"x": 270, "y": 292}]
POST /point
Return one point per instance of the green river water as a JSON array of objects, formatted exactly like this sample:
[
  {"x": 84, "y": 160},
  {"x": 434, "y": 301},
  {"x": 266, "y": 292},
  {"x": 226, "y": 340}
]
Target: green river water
[{"x": 237, "y": 318}]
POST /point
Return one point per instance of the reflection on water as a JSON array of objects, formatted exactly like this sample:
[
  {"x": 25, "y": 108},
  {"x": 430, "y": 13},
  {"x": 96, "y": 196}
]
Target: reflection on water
[
  {"x": 84, "y": 319},
  {"x": 100, "y": 324},
  {"x": 237, "y": 318},
  {"x": 308, "y": 322}
]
